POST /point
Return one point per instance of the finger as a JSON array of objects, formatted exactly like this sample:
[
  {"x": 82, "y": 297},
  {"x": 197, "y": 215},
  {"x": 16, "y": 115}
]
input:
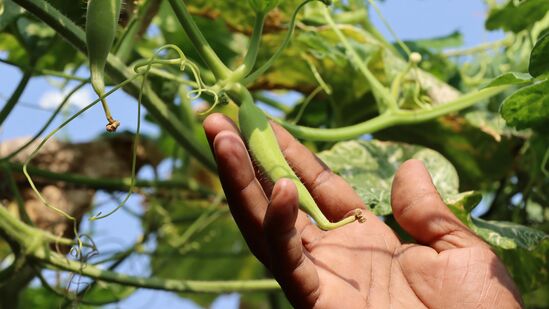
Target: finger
[
  {"x": 420, "y": 211},
  {"x": 333, "y": 195},
  {"x": 295, "y": 272},
  {"x": 244, "y": 194},
  {"x": 216, "y": 123}
]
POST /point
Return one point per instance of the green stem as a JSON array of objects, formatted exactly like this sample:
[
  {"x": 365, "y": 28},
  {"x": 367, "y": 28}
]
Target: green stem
[
  {"x": 253, "y": 49},
  {"x": 31, "y": 241},
  {"x": 262, "y": 69},
  {"x": 169, "y": 76},
  {"x": 389, "y": 28},
  {"x": 118, "y": 260},
  {"x": 155, "y": 283},
  {"x": 390, "y": 118},
  {"x": 8, "y": 173},
  {"x": 305, "y": 103},
  {"x": 119, "y": 72},
  {"x": 127, "y": 42},
  {"x": 110, "y": 184},
  {"x": 74, "y": 300},
  {"x": 367, "y": 25},
  {"x": 199, "y": 42},
  {"x": 382, "y": 95},
  {"x": 10, "y": 104},
  {"x": 25, "y": 235}
]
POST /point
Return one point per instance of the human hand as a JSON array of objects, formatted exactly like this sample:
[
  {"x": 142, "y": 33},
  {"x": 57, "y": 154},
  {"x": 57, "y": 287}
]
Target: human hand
[{"x": 358, "y": 265}]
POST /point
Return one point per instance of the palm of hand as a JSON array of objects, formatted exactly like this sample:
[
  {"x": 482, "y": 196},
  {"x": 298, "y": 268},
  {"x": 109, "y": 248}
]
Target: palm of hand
[
  {"x": 366, "y": 266},
  {"x": 358, "y": 265}
]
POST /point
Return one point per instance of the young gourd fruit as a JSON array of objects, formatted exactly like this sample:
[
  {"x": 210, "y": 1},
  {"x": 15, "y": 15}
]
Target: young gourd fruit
[
  {"x": 101, "y": 23},
  {"x": 264, "y": 148}
]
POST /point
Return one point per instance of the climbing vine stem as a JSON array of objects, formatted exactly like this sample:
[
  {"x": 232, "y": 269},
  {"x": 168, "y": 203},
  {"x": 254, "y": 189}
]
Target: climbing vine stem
[
  {"x": 199, "y": 42},
  {"x": 28, "y": 238},
  {"x": 390, "y": 118}
]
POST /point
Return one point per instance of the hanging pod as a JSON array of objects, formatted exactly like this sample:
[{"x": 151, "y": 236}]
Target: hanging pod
[{"x": 101, "y": 23}]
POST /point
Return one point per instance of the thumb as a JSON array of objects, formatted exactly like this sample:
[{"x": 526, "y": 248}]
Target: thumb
[
  {"x": 294, "y": 271},
  {"x": 420, "y": 211}
]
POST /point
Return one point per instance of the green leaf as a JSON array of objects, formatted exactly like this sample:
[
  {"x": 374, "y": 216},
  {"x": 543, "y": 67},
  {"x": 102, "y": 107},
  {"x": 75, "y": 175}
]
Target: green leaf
[
  {"x": 478, "y": 156},
  {"x": 509, "y": 78},
  {"x": 520, "y": 235},
  {"x": 528, "y": 107},
  {"x": 461, "y": 204},
  {"x": 539, "y": 58},
  {"x": 524, "y": 251},
  {"x": 518, "y": 17},
  {"x": 369, "y": 167}
]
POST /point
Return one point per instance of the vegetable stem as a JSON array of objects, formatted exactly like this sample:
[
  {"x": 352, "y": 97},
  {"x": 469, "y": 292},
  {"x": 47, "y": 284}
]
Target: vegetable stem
[
  {"x": 30, "y": 239},
  {"x": 262, "y": 69},
  {"x": 389, "y": 118},
  {"x": 14, "y": 98},
  {"x": 253, "y": 49},
  {"x": 199, "y": 42}
]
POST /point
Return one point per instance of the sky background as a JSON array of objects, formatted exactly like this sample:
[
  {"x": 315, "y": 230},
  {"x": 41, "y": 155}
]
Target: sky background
[{"x": 410, "y": 19}]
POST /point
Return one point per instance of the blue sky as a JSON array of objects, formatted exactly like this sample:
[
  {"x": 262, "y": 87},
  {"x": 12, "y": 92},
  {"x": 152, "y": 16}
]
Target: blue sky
[{"x": 410, "y": 19}]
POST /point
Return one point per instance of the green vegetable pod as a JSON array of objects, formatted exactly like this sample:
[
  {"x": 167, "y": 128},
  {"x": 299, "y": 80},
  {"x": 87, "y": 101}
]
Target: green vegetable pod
[
  {"x": 101, "y": 23},
  {"x": 265, "y": 150}
]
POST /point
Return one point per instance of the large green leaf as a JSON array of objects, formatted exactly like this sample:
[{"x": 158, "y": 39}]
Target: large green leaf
[
  {"x": 508, "y": 235},
  {"x": 369, "y": 167},
  {"x": 517, "y": 15},
  {"x": 478, "y": 156},
  {"x": 539, "y": 58},
  {"x": 528, "y": 107}
]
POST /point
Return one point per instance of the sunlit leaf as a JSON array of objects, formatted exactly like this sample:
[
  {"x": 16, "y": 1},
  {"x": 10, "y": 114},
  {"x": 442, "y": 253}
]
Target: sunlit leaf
[{"x": 369, "y": 167}]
